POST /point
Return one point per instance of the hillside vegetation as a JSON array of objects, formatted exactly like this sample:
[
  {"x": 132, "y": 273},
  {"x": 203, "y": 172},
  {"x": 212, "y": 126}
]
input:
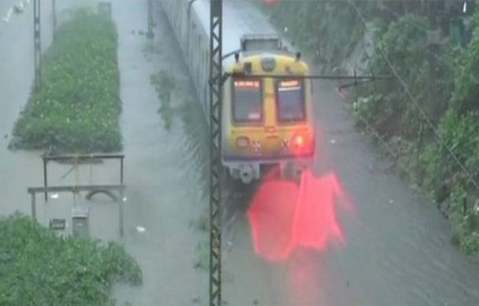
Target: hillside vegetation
[{"x": 428, "y": 114}]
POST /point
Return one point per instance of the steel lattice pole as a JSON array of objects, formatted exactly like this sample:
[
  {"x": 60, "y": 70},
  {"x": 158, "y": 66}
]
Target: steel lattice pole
[{"x": 216, "y": 11}]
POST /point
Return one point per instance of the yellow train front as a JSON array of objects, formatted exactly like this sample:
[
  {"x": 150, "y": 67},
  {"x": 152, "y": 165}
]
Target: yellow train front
[{"x": 267, "y": 115}]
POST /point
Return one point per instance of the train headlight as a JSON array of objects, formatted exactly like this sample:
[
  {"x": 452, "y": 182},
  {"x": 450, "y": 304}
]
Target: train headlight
[
  {"x": 242, "y": 142},
  {"x": 268, "y": 64},
  {"x": 238, "y": 69}
]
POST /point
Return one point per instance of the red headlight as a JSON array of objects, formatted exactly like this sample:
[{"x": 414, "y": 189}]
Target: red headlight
[
  {"x": 298, "y": 141},
  {"x": 302, "y": 143}
]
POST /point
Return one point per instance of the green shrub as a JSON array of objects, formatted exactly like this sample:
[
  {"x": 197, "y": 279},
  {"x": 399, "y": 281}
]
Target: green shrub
[
  {"x": 165, "y": 85},
  {"x": 78, "y": 106},
  {"x": 466, "y": 90},
  {"x": 459, "y": 130},
  {"x": 465, "y": 225},
  {"x": 39, "y": 268},
  {"x": 448, "y": 94},
  {"x": 450, "y": 109}
]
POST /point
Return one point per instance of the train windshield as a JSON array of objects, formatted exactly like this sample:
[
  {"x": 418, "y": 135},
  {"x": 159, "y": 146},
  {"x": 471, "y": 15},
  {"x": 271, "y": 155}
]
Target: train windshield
[
  {"x": 290, "y": 99},
  {"x": 247, "y": 101}
]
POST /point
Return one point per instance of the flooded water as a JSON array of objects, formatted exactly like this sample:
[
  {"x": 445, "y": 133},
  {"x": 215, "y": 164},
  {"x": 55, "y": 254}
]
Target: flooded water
[
  {"x": 16, "y": 75},
  {"x": 395, "y": 248},
  {"x": 163, "y": 169}
]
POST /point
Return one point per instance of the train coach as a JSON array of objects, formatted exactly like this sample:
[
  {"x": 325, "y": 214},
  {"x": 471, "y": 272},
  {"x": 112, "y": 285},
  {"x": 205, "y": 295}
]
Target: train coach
[{"x": 267, "y": 105}]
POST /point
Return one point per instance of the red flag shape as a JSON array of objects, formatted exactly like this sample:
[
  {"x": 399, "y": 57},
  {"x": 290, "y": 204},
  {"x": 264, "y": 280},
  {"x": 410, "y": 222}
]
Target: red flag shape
[
  {"x": 315, "y": 223},
  {"x": 284, "y": 216}
]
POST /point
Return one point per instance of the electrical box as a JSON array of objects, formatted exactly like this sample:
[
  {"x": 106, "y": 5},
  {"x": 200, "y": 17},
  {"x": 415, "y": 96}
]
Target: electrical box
[
  {"x": 58, "y": 226},
  {"x": 80, "y": 222}
]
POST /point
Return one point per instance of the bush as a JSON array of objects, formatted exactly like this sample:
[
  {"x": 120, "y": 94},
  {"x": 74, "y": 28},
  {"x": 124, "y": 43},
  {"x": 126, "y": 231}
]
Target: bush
[
  {"x": 466, "y": 90},
  {"x": 39, "y": 268},
  {"x": 450, "y": 100},
  {"x": 459, "y": 130},
  {"x": 165, "y": 85},
  {"x": 465, "y": 225},
  {"x": 459, "y": 133},
  {"x": 78, "y": 106},
  {"x": 452, "y": 110}
]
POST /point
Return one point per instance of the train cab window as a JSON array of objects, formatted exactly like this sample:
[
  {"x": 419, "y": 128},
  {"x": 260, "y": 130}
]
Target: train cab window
[
  {"x": 290, "y": 100},
  {"x": 247, "y": 101}
]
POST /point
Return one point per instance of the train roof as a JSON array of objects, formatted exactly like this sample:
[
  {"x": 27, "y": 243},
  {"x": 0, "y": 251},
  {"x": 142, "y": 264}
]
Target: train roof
[{"x": 239, "y": 18}]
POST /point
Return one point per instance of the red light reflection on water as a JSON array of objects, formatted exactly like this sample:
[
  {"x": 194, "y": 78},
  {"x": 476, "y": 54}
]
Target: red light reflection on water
[
  {"x": 285, "y": 216},
  {"x": 304, "y": 280},
  {"x": 270, "y": 3}
]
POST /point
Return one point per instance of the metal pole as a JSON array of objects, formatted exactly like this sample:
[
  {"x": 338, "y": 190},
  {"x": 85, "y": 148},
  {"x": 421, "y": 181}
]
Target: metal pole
[
  {"x": 34, "y": 205},
  {"x": 54, "y": 15},
  {"x": 121, "y": 171},
  {"x": 45, "y": 178},
  {"x": 434, "y": 48},
  {"x": 37, "y": 43},
  {"x": 121, "y": 208},
  {"x": 122, "y": 200},
  {"x": 190, "y": 3},
  {"x": 216, "y": 12},
  {"x": 150, "y": 19}
]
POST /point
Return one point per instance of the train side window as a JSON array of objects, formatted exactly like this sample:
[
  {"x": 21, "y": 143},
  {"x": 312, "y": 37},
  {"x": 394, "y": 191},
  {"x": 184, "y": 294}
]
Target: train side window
[
  {"x": 247, "y": 102},
  {"x": 290, "y": 100}
]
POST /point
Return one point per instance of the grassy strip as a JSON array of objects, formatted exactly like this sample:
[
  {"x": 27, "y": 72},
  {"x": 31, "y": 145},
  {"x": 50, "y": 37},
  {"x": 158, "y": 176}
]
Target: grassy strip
[
  {"x": 78, "y": 106},
  {"x": 39, "y": 268}
]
